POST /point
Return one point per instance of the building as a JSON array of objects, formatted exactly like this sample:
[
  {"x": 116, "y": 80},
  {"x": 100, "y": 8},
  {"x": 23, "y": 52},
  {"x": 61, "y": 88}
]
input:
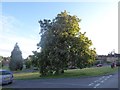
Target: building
[
  {"x": 113, "y": 57},
  {"x": 101, "y": 58},
  {"x": 108, "y": 58}
]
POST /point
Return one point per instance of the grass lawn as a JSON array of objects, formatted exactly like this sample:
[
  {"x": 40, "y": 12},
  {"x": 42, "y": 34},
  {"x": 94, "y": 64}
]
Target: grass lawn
[
  {"x": 96, "y": 71},
  {"x": 27, "y": 75}
]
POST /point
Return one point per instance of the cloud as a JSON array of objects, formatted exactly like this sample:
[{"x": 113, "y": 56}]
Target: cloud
[
  {"x": 9, "y": 24},
  {"x": 11, "y": 33}
]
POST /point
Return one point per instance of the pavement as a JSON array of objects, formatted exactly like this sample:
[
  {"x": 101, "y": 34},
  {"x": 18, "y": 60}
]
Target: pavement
[{"x": 106, "y": 81}]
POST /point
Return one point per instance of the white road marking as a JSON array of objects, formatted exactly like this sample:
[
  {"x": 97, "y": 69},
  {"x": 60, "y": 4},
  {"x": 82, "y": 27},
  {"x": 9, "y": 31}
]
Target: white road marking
[
  {"x": 105, "y": 79},
  {"x": 100, "y": 78},
  {"x": 90, "y": 84},
  {"x": 96, "y": 85},
  {"x": 110, "y": 75},
  {"x": 103, "y": 76},
  {"x": 102, "y": 81},
  {"x": 96, "y": 81}
]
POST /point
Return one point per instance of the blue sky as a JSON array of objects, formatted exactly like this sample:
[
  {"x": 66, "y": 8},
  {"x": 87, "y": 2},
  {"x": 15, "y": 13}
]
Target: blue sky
[{"x": 20, "y": 24}]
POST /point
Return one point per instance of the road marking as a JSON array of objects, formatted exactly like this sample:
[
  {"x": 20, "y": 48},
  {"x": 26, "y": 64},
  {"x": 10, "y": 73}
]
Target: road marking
[
  {"x": 96, "y": 81},
  {"x": 110, "y": 75},
  {"x": 102, "y": 81},
  {"x": 103, "y": 76},
  {"x": 96, "y": 85},
  {"x": 90, "y": 84},
  {"x": 105, "y": 79}
]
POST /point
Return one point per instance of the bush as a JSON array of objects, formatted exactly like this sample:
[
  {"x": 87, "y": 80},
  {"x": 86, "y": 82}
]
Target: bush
[{"x": 28, "y": 64}]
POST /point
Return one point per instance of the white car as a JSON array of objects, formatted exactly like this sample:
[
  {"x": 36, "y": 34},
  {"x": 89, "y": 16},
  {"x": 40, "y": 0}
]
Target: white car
[
  {"x": 6, "y": 77},
  {"x": 99, "y": 65}
]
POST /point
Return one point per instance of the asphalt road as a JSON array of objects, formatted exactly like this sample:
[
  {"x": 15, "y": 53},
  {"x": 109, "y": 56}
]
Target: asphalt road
[{"x": 107, "y": 81}]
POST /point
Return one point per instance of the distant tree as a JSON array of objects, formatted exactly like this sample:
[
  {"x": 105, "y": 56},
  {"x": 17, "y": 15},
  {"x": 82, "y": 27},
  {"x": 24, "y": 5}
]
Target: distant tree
[
  {"x": 27, "y": 63},
  {"x": 63, "y": 43},
  {"x": 34, "y": 59},
  {"x": 1, "y": 60},
  {"x": 16, "y": 61}
]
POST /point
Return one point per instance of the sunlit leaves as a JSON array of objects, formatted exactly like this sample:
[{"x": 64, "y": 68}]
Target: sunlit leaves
[{"x": 62, "y": 44}]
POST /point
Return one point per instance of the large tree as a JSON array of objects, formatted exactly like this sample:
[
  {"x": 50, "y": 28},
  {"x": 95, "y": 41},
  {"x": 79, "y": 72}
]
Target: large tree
[
  {"x": 16, "y": 61},
  {"x": 62, "y": 44}
]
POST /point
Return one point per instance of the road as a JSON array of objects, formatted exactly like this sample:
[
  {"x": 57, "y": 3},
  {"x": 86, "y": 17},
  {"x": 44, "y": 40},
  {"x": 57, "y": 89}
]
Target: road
[{"x": 107, "y": 81}]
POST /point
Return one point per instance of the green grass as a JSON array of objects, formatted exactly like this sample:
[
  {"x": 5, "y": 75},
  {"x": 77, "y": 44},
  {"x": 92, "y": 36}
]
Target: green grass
[
  {"x": 27, "y": 75},
  {"x": 86, "y": 72}
]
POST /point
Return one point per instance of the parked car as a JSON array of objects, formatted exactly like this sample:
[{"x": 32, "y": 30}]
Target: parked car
[
  {"x": 72, "y": 67},
  {"x": 6, "y": 77},
  {"x": 35, "y": 68},
  {"x": 118, "y": 64},
  {"x": 99, "y": 65}
]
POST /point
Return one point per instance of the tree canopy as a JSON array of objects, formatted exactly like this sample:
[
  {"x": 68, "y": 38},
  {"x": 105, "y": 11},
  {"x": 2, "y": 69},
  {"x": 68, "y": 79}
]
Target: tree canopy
[
  {"x": 16, "y": 61},
  {"x": 62, "y": 45}
]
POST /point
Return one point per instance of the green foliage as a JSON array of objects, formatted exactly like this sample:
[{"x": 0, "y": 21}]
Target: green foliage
[
  {"x": 27, "y": 63},
  {"x": 16, "y": 61},
  {"x": 1, "y": 60},
  {"x": 34, "y": 59},
  {"x": 62, "y": 44}
]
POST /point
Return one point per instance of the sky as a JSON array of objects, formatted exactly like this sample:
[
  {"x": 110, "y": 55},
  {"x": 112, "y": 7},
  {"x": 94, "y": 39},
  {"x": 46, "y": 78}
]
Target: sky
[{"x": 19, "y": 23}]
